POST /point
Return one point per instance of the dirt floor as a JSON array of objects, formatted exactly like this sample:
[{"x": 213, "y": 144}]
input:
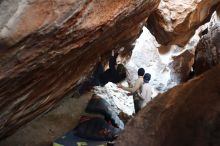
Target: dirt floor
[{"x": 45, "y": 129}]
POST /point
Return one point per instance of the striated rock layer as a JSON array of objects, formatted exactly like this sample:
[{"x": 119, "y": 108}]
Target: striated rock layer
[
  {"x": 207, "y": 52},
  {"x": 175, "y": 21},
  {"x": 187, "y": 115},
  {"x": 47, "y": 46}
]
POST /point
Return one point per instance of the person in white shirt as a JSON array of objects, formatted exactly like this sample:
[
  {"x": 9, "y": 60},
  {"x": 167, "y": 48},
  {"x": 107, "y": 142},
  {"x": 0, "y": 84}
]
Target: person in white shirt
[
  {"x": 136, "y": 89},
  {"x": 146, "y": 92}
]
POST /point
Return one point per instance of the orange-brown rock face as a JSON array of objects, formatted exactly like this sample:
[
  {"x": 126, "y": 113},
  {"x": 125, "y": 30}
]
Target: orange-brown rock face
[
  {"x": 175, "y": 21},
  {"x": 181, "y": 66},
  {"x": 187, "y": 115},
  {"x": 47, "y": 46},
  {"x": 207, "y": 52}
]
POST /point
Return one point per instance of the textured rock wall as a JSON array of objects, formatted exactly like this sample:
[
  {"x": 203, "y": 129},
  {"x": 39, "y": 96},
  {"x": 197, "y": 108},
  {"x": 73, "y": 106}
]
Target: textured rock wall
[
  {"x": 175, "y": 21},
  {"x": 181, "y": 66},
  {"x": 207, "y": 52},
  {"x": 187, "y": 115},
  {"x": 218, "y": 12},
  {"x": 48, "y": 46}
]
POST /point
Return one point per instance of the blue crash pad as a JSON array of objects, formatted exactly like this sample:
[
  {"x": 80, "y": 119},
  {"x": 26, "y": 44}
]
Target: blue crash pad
[{"x": 69, "y": 139}]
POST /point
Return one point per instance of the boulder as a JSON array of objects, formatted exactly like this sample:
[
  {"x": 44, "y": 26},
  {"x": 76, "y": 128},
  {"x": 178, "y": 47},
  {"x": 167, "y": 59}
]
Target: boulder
[
  {"x": 175, "y": 21},
  {"x": 187, "y": 115},
  {"x": 48, "y": 47},
  {"x": 207, "y": 52}
]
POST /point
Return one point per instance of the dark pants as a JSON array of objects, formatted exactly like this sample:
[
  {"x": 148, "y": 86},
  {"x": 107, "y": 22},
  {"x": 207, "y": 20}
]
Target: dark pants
[
  {"x": 95, "y": 80},
  {"x": 137, "y": 102},
  {"x": 137, "y": 105}
]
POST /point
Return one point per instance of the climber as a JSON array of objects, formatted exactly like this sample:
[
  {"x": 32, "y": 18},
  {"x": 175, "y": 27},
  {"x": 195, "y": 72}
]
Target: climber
[
  {"x": 122, "y": 72},
  {"x": 111, "y": 74},
  {"x": 136, "y": 89},
  {"x": 115, "y": 74},
  {"x": 146, "y": 91}
]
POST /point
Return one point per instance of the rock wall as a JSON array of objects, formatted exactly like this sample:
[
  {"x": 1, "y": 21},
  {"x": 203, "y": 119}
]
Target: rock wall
[
  {"x": 218, "y": 12},
  {"x": 48, "y": 46},
  {"x": 187, "y": 115},
  {"x": 207, "y": 52},
  {"x": 175, "y": 22},
  {"x": 181, "y": 66}
]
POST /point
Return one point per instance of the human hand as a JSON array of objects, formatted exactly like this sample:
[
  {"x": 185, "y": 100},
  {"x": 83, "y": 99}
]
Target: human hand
[{"x": 119, "y": 86}]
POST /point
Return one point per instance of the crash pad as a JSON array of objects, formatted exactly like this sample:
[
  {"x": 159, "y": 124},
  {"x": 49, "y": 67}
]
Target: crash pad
[{"x": 70, "y": 139}]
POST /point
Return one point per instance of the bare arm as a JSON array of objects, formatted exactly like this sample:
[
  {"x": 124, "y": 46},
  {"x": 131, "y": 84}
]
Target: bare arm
[{"x": 133, "y": 89}]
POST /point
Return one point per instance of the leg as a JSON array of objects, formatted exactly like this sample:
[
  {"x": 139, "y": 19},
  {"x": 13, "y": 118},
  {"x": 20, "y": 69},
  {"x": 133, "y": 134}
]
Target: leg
[
  {"x": 96, "y": 75},
  {"x": 136, "y": 105}
]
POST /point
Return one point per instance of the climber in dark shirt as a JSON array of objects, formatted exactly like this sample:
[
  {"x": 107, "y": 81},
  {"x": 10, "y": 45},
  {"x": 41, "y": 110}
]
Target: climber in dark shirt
[
  {"x": 111, "y": 74},
  {"x": 115, "y": 74}
]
